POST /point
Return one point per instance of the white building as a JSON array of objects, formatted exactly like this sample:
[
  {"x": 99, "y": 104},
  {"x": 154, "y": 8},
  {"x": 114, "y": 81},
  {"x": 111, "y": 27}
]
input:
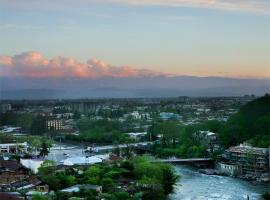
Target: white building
[
  {"x": 82, "y": 160},
  {"x": 13, "y": 147},
  {"x": 137, "y": 136},
  {"x": 229, "y": 169}
]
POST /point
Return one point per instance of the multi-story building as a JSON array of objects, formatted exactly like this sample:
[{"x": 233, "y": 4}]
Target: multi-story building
[
  {"x": 253, "y": 161},
  {"x": 54, "y": 124}
]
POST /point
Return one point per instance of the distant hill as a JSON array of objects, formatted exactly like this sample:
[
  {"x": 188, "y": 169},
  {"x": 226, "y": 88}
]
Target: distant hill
[
  {"x": 251, "y": 123},
  {"x": 158, "y": 86}
]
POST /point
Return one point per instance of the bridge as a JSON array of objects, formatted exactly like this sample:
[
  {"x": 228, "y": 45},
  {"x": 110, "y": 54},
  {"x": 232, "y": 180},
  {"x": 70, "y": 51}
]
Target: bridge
[
  {"x": 186, "y": 160},
  {"x": 197, "y": 162}
]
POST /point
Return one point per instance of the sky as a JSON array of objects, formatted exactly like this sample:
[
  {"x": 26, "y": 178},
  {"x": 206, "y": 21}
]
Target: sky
[{"x": 130, "y": 38}]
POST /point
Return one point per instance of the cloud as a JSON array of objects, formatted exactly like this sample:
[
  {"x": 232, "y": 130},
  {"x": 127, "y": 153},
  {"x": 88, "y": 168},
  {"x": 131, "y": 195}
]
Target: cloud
[
  {"x": 34, "y": 64},
  {"x": 20, "y": 26},
  {"x": 252, "y": 6},
  {"x": 258, "y": 6}
]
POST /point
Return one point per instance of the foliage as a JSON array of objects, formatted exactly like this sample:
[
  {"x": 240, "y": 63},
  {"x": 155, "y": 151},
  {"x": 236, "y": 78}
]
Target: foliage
[
  {"x": 99, "y": 131},
  {"x": 24, "y": 120},
  {"x": 146, "y": 178},
  {"x": 251, "y": 123},
  {"x": 266, "y": 196},
  {"x": 38, "y": 126},
  {"x": 39, "y": 197},
  {"x": 45, "y": 145}
]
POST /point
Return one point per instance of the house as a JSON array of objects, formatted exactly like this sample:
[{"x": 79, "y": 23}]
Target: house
[
  {"x": 76, "y": 188},
  {"x": 13, "y": 176},
  {"x": 11, "y": 196},
  {"x": 11, "y": 172},
  {"x": 137, "y": 136}
]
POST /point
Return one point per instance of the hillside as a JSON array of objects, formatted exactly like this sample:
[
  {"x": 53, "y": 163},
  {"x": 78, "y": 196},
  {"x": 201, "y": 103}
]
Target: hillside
[{"x": 251, "y": 123}]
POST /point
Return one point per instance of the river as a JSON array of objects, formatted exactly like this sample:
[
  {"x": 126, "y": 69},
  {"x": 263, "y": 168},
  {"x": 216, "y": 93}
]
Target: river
[{"x": 196, "y": 186}]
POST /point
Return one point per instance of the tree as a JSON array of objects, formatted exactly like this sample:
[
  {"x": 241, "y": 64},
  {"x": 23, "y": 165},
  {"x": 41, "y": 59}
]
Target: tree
[
  {"x": 169, "y": 179},
  {"x": 251, "y": 122},
  {"x": 107, "y": 185},
  {"x": 36, "y": 143},
  {"x": 266, "y": 196},
  {"x": 39, "y": 126},
  {"x": 44, "y": 151},
  {"x": 47, "y": 167},
  {"x": 39, "y": 197}
]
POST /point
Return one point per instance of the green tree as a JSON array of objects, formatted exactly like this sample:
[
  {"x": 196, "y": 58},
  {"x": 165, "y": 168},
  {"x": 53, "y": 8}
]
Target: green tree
[
  {"x": 39, "y": 126},
  {"x": 266, "y": 196},
  {"x": 44, "y": 151},
  {"x": 39, "y": 197}
]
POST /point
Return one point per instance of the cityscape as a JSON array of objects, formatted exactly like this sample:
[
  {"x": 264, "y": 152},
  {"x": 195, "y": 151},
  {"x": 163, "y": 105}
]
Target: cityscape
[{"x": 134, "y": 100}]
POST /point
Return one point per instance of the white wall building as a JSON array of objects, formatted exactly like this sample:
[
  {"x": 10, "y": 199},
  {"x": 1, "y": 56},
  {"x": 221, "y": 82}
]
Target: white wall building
[{"x": 13, "y": 147}]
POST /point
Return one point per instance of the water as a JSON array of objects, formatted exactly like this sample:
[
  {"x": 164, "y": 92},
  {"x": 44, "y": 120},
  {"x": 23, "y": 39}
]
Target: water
[{"x": 196, "y": 186}]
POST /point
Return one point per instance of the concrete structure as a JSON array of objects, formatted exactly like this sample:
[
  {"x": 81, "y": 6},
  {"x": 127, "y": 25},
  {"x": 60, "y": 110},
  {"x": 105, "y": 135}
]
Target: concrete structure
[
  {"x": 13, "y": 147},
  {"x": 229, "y": 169}
]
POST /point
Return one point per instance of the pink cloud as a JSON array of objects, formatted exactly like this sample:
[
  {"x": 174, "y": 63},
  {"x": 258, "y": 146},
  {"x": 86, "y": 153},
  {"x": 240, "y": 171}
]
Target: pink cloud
[{"x": 34, "y": 64}]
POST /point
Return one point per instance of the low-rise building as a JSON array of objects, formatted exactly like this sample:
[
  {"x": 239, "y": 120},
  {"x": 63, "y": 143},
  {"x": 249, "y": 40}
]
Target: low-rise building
[
  {"x": 168, "y": 116},
  {"x": 78, "y": 187},
  {"x": 13, "y": 147},
  {"x": 82, "y": 160},
  {"x": 229, "y": 169},
  {"x": 137, "y": 136},
  {"x": 11, "y": 196}
]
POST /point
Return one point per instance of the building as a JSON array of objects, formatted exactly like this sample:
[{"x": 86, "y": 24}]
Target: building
[
  {"x": 137, "y": 136},
  {"x": 82, "y": 160},
  {"x": 169, "y": 116},
  {"x": 54, "y": 124},
  {"x": 76, "y": 188},
  {"x": 11, "y": 129},
  {"x": 229, "y": 169},
  {"x": 5, "y": 108},
  {"x": 254, "y": 162},
  {"x": 11, "y": 196},
  {"x": 13, "y": 147},
  {"x": 14, "y": 176}
]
